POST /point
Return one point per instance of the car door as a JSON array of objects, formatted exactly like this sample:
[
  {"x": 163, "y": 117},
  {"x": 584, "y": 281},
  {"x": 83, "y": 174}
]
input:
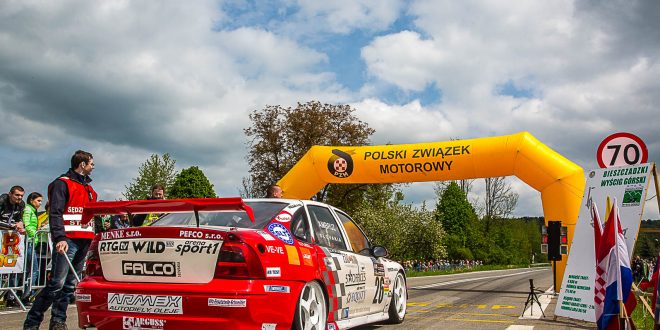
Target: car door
[
  {"x": 354, "y": 271},
  {"x": 377, "y": 281}
]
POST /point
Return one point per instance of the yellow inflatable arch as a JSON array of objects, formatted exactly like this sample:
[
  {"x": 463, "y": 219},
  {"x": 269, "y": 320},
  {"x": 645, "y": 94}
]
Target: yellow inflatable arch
[{"x": 560, "y": 181}]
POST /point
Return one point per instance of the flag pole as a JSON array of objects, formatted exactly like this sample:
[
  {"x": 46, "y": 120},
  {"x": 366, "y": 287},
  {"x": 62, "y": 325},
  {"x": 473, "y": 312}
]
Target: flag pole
[{"x": 623, "y": 315}]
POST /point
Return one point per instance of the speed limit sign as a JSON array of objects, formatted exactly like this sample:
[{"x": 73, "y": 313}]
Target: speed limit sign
[{"x": 621, "y": 149}]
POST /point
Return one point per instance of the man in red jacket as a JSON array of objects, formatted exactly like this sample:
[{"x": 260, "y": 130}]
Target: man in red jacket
[{"x": 68, "y": 196}]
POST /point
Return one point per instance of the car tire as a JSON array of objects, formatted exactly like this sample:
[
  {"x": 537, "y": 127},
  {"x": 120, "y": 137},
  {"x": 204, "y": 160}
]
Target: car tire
[
  {"x": 397, "y": 310},
  {"x": 311, "y": 309}
]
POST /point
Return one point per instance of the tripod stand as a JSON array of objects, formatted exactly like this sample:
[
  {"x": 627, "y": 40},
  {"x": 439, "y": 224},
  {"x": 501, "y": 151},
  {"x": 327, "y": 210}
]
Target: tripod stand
[{"x": 532, "y": 298}]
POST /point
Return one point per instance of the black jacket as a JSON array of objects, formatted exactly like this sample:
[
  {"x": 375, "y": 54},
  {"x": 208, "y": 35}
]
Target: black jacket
[
  {"x": 10, "y": 214},
  {"x": 58, "y": 195}
]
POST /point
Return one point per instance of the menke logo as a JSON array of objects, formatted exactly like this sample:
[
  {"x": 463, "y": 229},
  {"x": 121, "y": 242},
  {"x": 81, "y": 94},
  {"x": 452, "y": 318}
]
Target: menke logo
[
  {"x": 340, "y": 164},
  {"x": 148, "y": 268}
]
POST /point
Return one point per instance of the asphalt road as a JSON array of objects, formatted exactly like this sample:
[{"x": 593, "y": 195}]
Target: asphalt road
[{"x": 480, "y": 300}]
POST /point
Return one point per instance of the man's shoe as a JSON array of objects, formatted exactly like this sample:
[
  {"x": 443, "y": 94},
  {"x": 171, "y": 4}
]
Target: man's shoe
[{"x": 57, "y": 326}]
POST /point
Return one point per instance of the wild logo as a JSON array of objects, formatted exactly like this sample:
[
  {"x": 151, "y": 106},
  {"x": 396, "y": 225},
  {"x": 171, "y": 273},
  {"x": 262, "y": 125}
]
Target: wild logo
[{"x": 340, "y": 164}]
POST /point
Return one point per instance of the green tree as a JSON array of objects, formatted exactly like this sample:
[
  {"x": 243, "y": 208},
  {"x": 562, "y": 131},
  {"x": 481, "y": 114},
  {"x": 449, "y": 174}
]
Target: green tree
[
  {"x": 407, "y": 233},
  {"x": 191, "y": 183},
  {"x": 279, "y": 137},
  {"x": 154, "y": 170},
  {"x": 455, "y": 213}
]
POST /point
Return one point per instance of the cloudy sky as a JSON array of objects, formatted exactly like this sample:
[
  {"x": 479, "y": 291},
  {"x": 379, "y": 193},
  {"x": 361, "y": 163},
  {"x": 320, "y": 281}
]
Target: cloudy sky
[{"x": 125, "y": 79}]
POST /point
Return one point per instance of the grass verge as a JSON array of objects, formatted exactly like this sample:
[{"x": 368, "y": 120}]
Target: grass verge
[{"x": 411, "y": 273}]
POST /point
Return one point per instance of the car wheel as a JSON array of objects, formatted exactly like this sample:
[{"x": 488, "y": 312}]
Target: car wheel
[
  {"x": 311, "y": 311},
  {"x": 397, "y": 311}
]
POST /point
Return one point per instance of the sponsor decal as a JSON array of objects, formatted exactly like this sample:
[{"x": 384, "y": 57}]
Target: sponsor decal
[
  {"x": 349, "y": 259},
  {"x": 191, "y": 234},
  {"x": 148, "y": 246},
  {"x": 151, "y": 268},
  {"x": 283, "y": 217},
  {"x": 130, "y": 323},
  {"x": 306, "y": 256},
  {"x": 279, "y": 231},
  {"x": 294, "y": 205},
  {"x": 292, "y": 255},
  {"x": 327, "y": 226},
  {"x": 274, "y": 249},
  {"x": 113, "y": 247},
  {"x": 201, "y": 247},
  {"x": 268, "y": 326},
  {"x": 119, "y": 234},
  {"x": 353, "y": 279},
  {"x": 147, "y": 304},
  {"x": 13, "y": 252},
  {"x": 632, "y": 196},
  {"x": 277, "y": 288},
  {"x": 83, "y": 297},
  {"x": 309, "y": 246},
  {"x": 340, "y": 164},
  {"x": 331, "y": 326},
  {"x": 345, "y": 313},
  {"x": 220, "y": 302},
  {"x": 273, "y": 272},
  {"x": 379, "y": 270},
  {"x": 266, "y": 236},
  {"x": 356, "y": 296},
  {"x": 392, "y": 269}
]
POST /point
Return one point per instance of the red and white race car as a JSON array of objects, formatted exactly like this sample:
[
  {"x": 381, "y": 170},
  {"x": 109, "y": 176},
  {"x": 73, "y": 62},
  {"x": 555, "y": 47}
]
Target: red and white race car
[{"x": 228, "y": 263}]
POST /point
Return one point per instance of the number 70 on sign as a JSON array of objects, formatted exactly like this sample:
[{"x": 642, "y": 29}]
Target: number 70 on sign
[{"x": 621, "y": 149}]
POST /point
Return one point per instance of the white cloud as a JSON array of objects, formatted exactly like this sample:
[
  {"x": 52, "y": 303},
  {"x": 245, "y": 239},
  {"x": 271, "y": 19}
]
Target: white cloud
[
  {"x": 344, "y": 16},
  {"x": 125, "y": 79}
]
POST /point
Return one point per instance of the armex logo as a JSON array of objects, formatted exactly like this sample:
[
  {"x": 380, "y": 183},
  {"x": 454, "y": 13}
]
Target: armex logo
[{"x": 340, "y": 164}]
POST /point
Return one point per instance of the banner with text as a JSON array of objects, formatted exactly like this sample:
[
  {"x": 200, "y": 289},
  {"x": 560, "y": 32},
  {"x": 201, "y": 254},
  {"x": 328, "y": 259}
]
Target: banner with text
[
  {"x": 12, "y": 252},
  {"x": 628, "y": 184}
]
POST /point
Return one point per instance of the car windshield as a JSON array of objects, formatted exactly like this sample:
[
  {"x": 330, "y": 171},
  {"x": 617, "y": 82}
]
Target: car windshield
[{"x": 263, "y": 213}]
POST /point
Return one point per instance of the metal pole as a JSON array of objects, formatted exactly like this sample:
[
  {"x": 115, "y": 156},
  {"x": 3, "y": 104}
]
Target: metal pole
[
  {"x": 71, "y": 267},
  {"x": 554, "y": 276}
]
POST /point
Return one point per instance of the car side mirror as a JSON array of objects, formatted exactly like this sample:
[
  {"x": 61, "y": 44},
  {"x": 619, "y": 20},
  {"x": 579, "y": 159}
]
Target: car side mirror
[{"x": 380, "y": 251}]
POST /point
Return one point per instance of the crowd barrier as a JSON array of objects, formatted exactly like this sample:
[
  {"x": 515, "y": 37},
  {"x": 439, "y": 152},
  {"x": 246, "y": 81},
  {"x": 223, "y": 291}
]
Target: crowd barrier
[{"x": 24, "y": 264}]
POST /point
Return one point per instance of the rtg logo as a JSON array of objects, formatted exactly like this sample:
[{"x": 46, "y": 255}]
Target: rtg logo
[{"x": 340, "y": 164}]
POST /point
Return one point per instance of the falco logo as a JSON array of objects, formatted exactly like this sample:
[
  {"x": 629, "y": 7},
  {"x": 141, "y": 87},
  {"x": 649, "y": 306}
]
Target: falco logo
[
  {"x": 149, "y": 268},
  {"x": 340, "y": 164}
]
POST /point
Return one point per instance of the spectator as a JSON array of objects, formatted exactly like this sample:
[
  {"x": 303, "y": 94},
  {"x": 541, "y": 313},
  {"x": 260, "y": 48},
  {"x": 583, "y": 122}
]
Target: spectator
[
  {"x": 120, "y": 221},
  {"x": 101, "y": 223},
  {"x": 11, "y": 209},
  {"x": 11, "y": 213},
  {"x": 68, "y": 196},
  {"x": 274, "y": 191},
  {"x": 30, "y": 221},
  {"x": 157, "y": 192}
]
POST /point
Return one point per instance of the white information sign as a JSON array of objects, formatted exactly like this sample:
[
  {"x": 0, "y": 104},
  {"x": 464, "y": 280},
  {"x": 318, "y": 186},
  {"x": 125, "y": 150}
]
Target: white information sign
[
  {"x": 12, "y": 252},
  {"x": 628, "y": 184}
]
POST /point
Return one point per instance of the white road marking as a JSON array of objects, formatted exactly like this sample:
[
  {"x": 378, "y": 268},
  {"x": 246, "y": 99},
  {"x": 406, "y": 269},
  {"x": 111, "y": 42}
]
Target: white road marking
[
  {"x": 533, "y": 311},
  {"x": 472, "y": 279},
  {"x": 520, "y": 327}
]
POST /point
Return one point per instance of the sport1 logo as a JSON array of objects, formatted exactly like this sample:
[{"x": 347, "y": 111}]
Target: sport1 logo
[
  {"x": 340, "y": 164},
  {"x": 621, "y": 149}
]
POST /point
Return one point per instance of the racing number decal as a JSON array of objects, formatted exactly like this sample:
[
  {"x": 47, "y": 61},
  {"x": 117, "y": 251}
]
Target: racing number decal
[{"x": 378, "y": 297}]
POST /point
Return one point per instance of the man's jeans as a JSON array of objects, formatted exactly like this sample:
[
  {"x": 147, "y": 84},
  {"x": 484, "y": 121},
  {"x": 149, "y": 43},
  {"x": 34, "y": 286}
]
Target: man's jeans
[{"x": 60, "y": 287}]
